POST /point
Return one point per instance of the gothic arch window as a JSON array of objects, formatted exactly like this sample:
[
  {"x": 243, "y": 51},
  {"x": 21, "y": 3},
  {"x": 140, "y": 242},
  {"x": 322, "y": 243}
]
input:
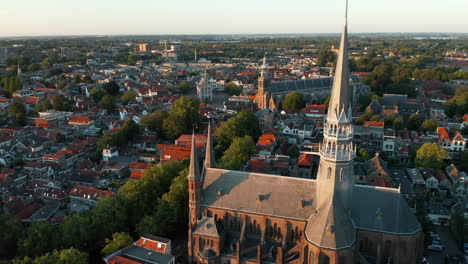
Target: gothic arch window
[
  {"x": 341, "y": 174},
  {"x": 329, "y": 172}
]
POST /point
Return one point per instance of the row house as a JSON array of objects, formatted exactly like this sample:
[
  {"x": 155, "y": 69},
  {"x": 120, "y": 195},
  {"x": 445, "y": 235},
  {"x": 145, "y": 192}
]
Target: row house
[
  {"x": 271, "y": 164},
  {"x": 460, "y": 182},
  {"x": 369, "y": 136},
  {"x": 436, "y": 179},
  {"x": 372, "y": 172},
  {"x": 169, "y": 152},
  {"x": 88, "y": 195},
  {"x": 267, "y": 143},
  {"x": 418, "y": 183},
  {"x": 451, "y": 140}
]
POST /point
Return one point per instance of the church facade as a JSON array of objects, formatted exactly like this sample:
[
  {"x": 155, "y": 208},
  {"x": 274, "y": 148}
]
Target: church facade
[{"x": 241, "y": 217}]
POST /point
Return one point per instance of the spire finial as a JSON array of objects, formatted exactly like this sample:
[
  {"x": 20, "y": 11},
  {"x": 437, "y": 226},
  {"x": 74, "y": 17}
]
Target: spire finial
[
  {"x": 263, "y": 65},
  {"x": 346, "y": 13}
]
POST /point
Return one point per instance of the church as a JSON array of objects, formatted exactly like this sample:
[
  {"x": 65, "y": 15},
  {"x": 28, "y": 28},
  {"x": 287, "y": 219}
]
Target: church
[{"x": 241, "y": 217}]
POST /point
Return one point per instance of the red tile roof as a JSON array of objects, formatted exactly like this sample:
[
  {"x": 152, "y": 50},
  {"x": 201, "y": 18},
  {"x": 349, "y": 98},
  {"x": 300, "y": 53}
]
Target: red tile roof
[
  {"x": 79, "y": 120},
  {"x": 90, "y": 193},
  {"x": 266, "y": 140},
  {"x": 138, "y": 166},
  {"x": 150, "y": 244},
  {"x": 123, "y": 260},
  {"x": 136, "y": 175},
  {"x": 374, "y": 124},
  {"x": 306, "y": 160}
]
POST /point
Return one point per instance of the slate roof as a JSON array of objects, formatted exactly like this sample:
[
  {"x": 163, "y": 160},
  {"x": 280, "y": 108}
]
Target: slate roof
[
  {"x": 258, "y": 193},
  {"x": 207, "y": 227},
  {"x": 382, "y": 210}
]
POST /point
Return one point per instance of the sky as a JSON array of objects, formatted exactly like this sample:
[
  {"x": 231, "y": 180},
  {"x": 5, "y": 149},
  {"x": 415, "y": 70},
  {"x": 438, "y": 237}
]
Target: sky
[{"x": 152, "y": 17}]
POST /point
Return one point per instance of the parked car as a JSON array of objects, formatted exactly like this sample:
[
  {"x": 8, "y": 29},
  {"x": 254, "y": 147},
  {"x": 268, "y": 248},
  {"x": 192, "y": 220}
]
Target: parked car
[
  {"x": 435, "y": 247},
  {"x": 434, "y": 236}
]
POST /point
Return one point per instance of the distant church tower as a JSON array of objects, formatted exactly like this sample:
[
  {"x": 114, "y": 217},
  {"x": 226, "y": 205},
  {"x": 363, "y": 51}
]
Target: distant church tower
[
  {"x": 332, "y": 226},
  {"x": 204, "y": 90},
  {"x": 262, "y": 99},
  {"x": 195, "y": 186}
]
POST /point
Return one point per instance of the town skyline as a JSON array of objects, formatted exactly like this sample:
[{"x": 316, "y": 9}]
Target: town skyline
[{"x": 53, "y": 18}]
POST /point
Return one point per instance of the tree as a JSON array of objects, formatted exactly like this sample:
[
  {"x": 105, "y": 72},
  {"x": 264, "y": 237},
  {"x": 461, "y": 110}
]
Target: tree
[
  {"x": 154, "y": 121},
  {"x": 41, "y": 237},
  {"x": 294, "y": 100},
  {"x": 64, "y": 256},
  {"x": 366, "y": 116},
  {"x": 375, "y": 118},
  {"x": 429, "y": 125},
  {"x": 119, "y": 240},
  {"x": 17, "y": 109},
  {"x": 112, "y": 88},
  {"x": 324, "y": 57},
  {"x": 183, "y": 87},
  {"x": 414, "y": 122},
  {"x": 132, "y": 59},
  {"x": 398, "y": 123},
  {"x": 33, "y": 67},
  {"x": 128, "y": 96},
  {"x": 431, "y": 155},
  {"x": 238, "y": 153},
  {"x": 77, "y": 79},
  {"x": 232, "y": 89},
  {"x": 463, "y": 164},
  {"x": 243, "y": 124},
  {"x": 61, "y": 103},
  {"x": 107, "y": 102},
  {"x": 10, "y": 232},
  {"x": 182, "y": 116},
  {"x": 97, "y": 93},
  {"x": 362, "y": 155},
  {"x": 293, "y": 151},
  {"x": 389, "y": 119},
  {"x": 43, "y": 106}
]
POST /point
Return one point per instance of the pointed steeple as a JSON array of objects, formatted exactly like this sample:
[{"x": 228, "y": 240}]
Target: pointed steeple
[
  {"x": 209, "y": 155},
  {"x": 194, "y": 172},
  {"x": 341, "y": 93},
  {"x": 262, "y": 73}
]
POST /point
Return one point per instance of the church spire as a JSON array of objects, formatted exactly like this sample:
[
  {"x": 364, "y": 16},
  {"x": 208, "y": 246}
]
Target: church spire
[
  {"x": 209, "y": 155},
  {"x": 194, "y": 172},
  {"x": 341, "y": 94},
  {"x": 262, "y": 73}
]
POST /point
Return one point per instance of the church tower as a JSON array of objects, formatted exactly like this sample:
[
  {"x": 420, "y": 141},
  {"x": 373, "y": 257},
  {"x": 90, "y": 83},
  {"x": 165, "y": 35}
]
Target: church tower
[
  {"x": 209, "y": 154},
  {"x": 262, "y": 99},
  {"x": 331, "y": 226},
  {"x": 194, "y": 182}
]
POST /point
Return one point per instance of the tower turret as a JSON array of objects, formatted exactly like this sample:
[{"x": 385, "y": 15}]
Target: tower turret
[
  {"x": 194, "y": 181},
  {"x": 332, "y": 226},
  {"x": 209, "y": 153}
]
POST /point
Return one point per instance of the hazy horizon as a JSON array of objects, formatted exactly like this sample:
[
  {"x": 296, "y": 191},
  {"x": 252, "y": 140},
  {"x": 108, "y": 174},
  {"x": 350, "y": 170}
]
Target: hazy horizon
[{"x": 55, "y": 18}]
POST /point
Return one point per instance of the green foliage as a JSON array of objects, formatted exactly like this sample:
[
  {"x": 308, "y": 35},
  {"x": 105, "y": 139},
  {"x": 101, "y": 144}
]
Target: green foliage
[
  {"x": 17, "y": 109},
  {"x": 431, "y": 155},
  {"x": 293, "y": 100},
  {"x": 458, "y": 105},
  {"x": 77, "y": 79},
  {"x": 64, "y": 256},
  {"x": 362, "y": 155},
  {"x": 154, "y": 121},
  {"x": 61, "y": 103},
  {"x": 10, "y": 232},
  {"x": 119, "y": 240},
  {"x": 43, "y": 106},
  {"x": 366, "y": 116},
  {"x": 128, "y": 96},
  {"x": 182, "y": 116},
  {"x": 123, "y": 136},
  {"x": 414, "y": 122},
  {"x": 183, "y": 87},
  {"x": 232, "y": 89},
  {"x": 389, "y": 119},
  {"x": 398, "y": 123},
  {"x": 325, "y": 57},
  {"x": 238, "y": 153},
  {"x": 97, "y": 93},
  {"x": 171, "y": 212},
  {"x": 132, "y": 59},
  {"x": 107, "y": 102},
  {"x": 463, "y": 163},
  {"x": 11, "y": 85},
  {"x": 429, "y": 125},
  {"x": 40, "y": 238},
  {"x": 293, "y": 151},
  {"x": 112, "y": 88},
  {"x": 243, "y": 124},
  {"x": 33, "y": 67}
]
